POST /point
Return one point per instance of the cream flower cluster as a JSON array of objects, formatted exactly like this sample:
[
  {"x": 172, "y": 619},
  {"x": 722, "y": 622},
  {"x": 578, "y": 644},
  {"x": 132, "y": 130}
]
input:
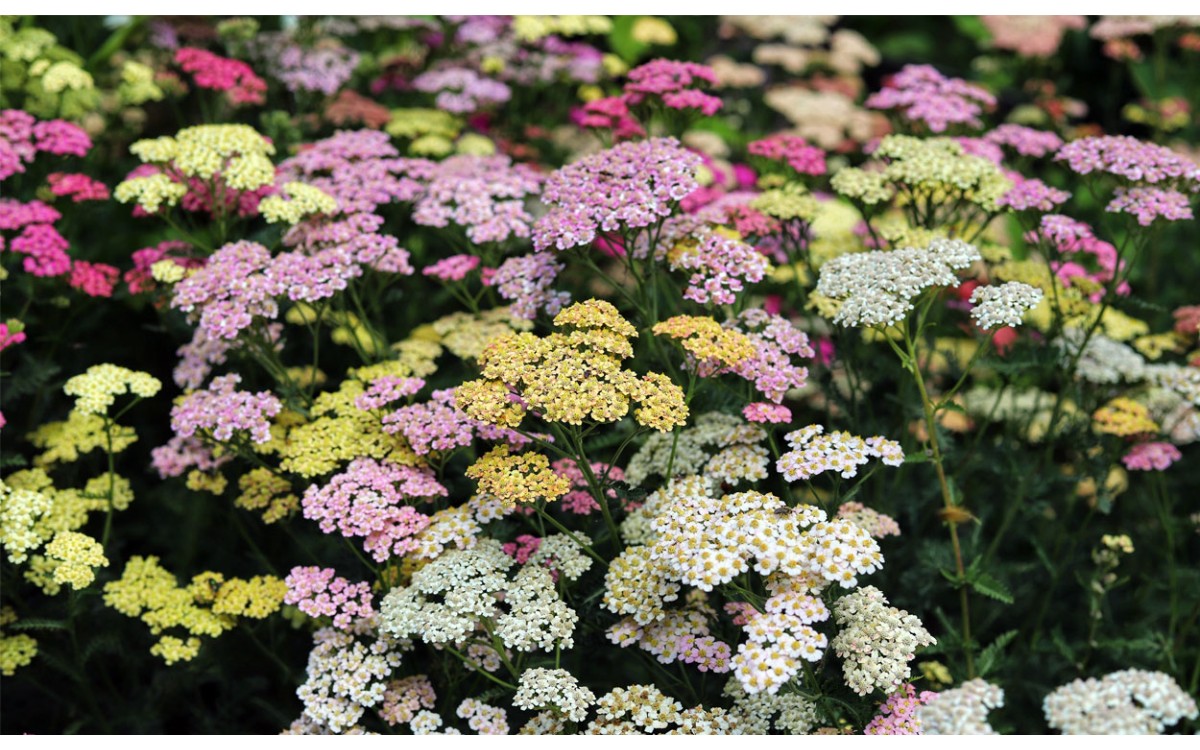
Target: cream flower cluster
[
  {"x": 962, "y": 710},
  {"x": 1132, "y": 701},
  {"x": 877, "y": 288},
  {"x": 556, "y": 689},
  {"x": 814, "y": 453},
  {"x": 876, "y": 642},
  {"x": 97, "y": 389},
  {"x": 998, "y": 305}
]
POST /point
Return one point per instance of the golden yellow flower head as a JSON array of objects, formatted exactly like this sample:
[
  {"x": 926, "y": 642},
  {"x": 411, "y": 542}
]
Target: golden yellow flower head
[
  {"x": 1123, "y": 417},
  {"x": 706, "y": 340},
  {"x": 521, "y": 478}
]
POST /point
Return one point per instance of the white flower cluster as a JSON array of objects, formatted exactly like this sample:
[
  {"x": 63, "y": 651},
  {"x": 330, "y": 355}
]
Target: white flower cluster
[
  {"x": 1185, "y": 381},
  {"x": 763, "y": 713},
  {"x": 876, "y": 641},
  {"x": 639, "y": 586},
  {"x": 999, "y": 305},
  {"x": 537, "y": 618},
  {"x": 466, "y": 582},
  {"x": 692, "y": 447},
  {"x": 561, "y": 553},
  {"x": 679, "y": 634},
  {"x": 1132, "y": 701},
  {"x": 345, "y": 677},
  {"x": 813, "y": 453},
  {"x": 779, "y": 640},
  {"x": 1103, "y": 361},
  {"x": 877, "y": 288},
  {"x": 962, "y": 710},
  {"x": 633, "y": 710},
  {"x": 541, "y": 688}
]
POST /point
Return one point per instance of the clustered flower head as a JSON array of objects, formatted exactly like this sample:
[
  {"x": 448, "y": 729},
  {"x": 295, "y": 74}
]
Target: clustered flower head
[
  {"x": 899, "y": 714},
  {"x": 924, "y": 95},
  {"x": 571, "y": 376},
  {"x": 97, "y": 389},
  {"x": 876, "y": 641},
  {"x": 221, "y": 409},
  {"x": 233, "y": 77},
  {"x": 462, "y": 90},
  {"x": 792, "y": 150},
  {"x": 1156, "y": 456},
  {"x": 555, "y": 689},
  {"x": 677, "y": 84},
  {"x": 721, "y": 267},
  {"x": 962, "y": 710},
  {"x": 1132, "y": 701},
  {"x": 877, "y": 288},
  {"x": 320, "y": 592},
  {"x": 628, "y": 187},
  {"x": 22, "y": 137},
  {"x": 814, "y": 453},
  {"x": 485, "y": 195},
  {"x": 997, "y": 305}
]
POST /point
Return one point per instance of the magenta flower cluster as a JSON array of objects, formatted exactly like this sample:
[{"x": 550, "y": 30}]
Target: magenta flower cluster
[
  {"x": 793, "y": 150},
  {"x": 234, "y": 77},
  {"x": 22, "y": 136},
  {"x": 721, "y": 266},
  {"x": 675, "y": 83}
]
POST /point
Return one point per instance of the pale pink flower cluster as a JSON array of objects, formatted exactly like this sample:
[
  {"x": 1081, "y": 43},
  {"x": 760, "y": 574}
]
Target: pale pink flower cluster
[
  {"x": 1151, "y": 457},
  {"x": 368, "y": 500},
  {"x": 438, "y": 425},
  {"x": 630, "y": 186},
  {"x": 900, "y": 714},
  {"x": 1148, "y": 204},
  {"x": 579, "y": 499},
  {"x": 221, "y": 409},
  {"x": 526, "y": 281},
  {"x": 482, "y": 718},
  {"x": 319, "y": 592},
  {"x": 1135, "y": 160},
  {"x": 814, "y": 453},
  {"x": 1031, "y": 36},
  {"x": 681, "y": 635},
  {"x": 384, "y": 390},
  {"x": 404, "y": 698},
  {"x": 462, "y": 90},
  {"x": 483, "y": 194},
  {"x": 924, "y": 95},
  {"x": 779, "y": 641},
  {"x": 872, "y": 521},
  {"x": 1071, "y": 237},
  {"x": 1024, "y": 140},
  {"x": 776, "y": 341},
  {"x": 721, "y": 267},
  {"x": 1029, "y": 194},
  {"x": 180, "y": 454}
]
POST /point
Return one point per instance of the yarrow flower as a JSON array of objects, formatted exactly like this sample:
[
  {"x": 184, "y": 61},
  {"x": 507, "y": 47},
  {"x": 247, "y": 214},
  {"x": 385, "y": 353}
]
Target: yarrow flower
[
  {"x": 630, "y": 186},
  {"x": 1024, "y": 140},
  {"x": 97, "y": 389},
  {"x": 900, "y": 714},
  {"x": 79, "y": 187},
  {"x": 221, "y": 409},
  {"x": 675, "y": 83},
  {"x": 814, "y": 453},
  {"x": 1033, "y": 195},
  {"x": 772, "y": 413},
  {"x": 461, "y": 90},
  {"x": 792, "y": 150},
  {"x": 454, "y": 268},
  {"x": 924, "y": 95},
  {"x": 997, "y": 305},
  {"x": 1132, "y": 701},
  {"x": 319, "y": 592},
  {"x": 877, "y": 287},
  {"x": 233, "y": 77},
  {"x": 876, "y": 641},
  {"x": 541, "y": 688},
  {"x": 1151, "y": 457},
  {"x": 962, "y": 710},
  {"x": 1134, "y": 160},
  {"x": 1148, "y": 204},
  {"x": 721, "y": 266}
]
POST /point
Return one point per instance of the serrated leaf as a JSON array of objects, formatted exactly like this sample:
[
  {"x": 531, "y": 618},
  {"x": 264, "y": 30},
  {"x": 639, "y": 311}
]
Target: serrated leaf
[
  {"x": 992, "y": 588},
  {"x": 987, "y": 659},
  {"x": 916, "y": 458}
]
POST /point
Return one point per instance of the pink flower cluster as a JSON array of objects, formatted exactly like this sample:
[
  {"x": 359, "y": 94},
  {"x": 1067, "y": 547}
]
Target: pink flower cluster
[
  {"x": 484, "y": 194},
  {"x": 183, "y": 453},
  {"x": 794, "y": 150},
  {"x": 1071, "y": 237},
  {"x": 609, "y": 113},
  {"x": 221, "y": 409},
  {"x": 232, "y": 289},
  {"x": 367, "y": 500},
  {"x": 1024, "y": 140},
  {"x": 630, "y": 186},
  {"x": 767, "y": 413},
  {"x": 675, "y": 83},
  {"x": 877, "y": 524},
  {"x": 384, "y": 390},
  {"x": 22, "y": 136},
  {"x": 1031, "y": 36},
  {"x": 9, "y": 338},
  {"x": 522, "y": 548},
  {"x": 438, "y": 425},
  {"x": 924, "y": 95},
  {"x": 526, "y": 281},
  {"x": 79, "y": 187},
  {"x": 319, "y": 592},
  {"x": 93, "y": 279},
  {"x": 1028, "y": 194},
  {"x": 1136, "y": 161},
  {"x": 360, "y": 169},
  {"x": 462, "y": 90},
  {"x": 900, "y": 714},
  {"x": 233, "y": 77},
  {"x": 322, "y": 68},
  {"x": 705, "y": 651},
  {"x": 777, "y": 341},
  {"x": 579, "y": 499},
  {"x": 1147, "y": 204},
  {"x": 721, "y": 267},
  {"x": 45, "y": 249},
  {"x": 454, "y": 268},
  {"x": 1151, "y": 457}
]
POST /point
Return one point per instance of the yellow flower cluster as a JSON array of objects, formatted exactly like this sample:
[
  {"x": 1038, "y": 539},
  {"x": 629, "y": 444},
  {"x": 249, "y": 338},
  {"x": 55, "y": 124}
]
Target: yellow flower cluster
[
  {"x": 80, "y": 433},
  {"x": 706, "y": 340},
  {"x": 533, "y": 28},
  {"x": 151, "y": 192},
  {"x": 787, "y": 203},
  {"x": 15, "y": 650},
  {"x": 338, "y": 432},
  {"x": 214, "y": 483},
  {"x": 264, "y": 491},
  {"x": 60, "y": 76},
  {"x": 1123, "y": 417},
  {"x": 305, "y": 200},
  {"x": 939, "y": 168},
  {"x": 521, "y": 478},
  {"x": 137, "y": 84},
  {"x": 860, "y": 185},
  {"x": 1153, "y": 346},
  {"x": 21, "y": 508},
  {"x": 167, "y": 271},
  {"x": 209, "y": 606},
  {"x": 571, "y": 377},
  {"x": 417, "y": 123},
  {"x": 96, "y": 389},
  {"x": 466, "y": 336},
  {"x": 77, "y": 554}
]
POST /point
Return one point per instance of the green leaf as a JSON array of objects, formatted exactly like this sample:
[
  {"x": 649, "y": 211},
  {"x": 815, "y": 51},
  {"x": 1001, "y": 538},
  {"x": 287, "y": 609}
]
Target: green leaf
[
  {"x": 987, "y": 659},
  {"x": 40, "y": 623},
  {"x": 985, "y": 584},
  {"x": 916, "y": 458},
  {"x": 622, "y": 41},
  {"x": 973, "y": 27}
]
